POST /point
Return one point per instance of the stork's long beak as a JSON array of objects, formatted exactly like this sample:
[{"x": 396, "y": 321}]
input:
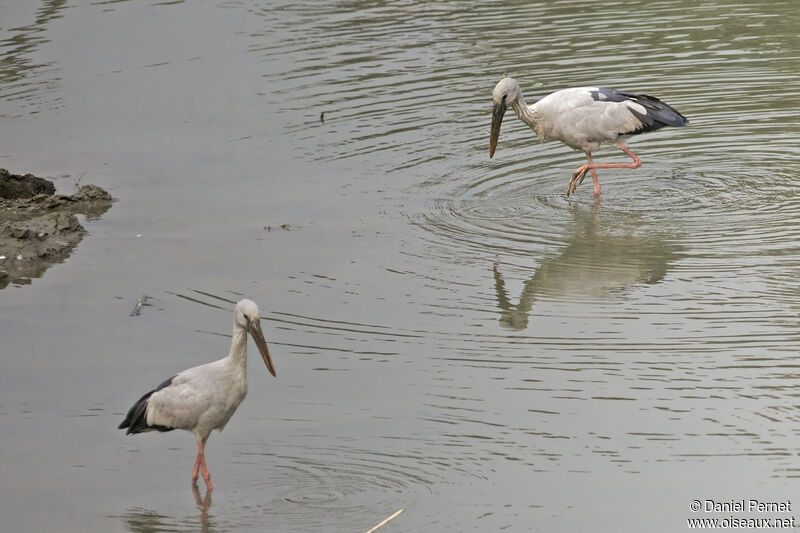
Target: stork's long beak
[
  {"x": 497, "y": 118},
  {"x": 258, "y": 337}
]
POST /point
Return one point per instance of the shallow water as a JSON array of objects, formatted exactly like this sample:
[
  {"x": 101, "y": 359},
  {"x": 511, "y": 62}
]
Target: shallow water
[{"x": 453, "y": 335}]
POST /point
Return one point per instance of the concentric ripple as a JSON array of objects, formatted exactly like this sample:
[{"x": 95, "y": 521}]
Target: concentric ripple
[
  {"x": 717, "y": 194},
  {"x": 674, "y": 289},
  {"x": 326, "y": 488}
]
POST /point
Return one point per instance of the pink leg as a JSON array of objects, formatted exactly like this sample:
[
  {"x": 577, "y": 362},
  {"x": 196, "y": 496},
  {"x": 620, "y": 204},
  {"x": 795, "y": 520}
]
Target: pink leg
[
  {"x": 590, "y": 166},
  {"x": 200, "y": 464},
  {"x": 196, "y": 470},
  {"x": 206, "y": 473},
  {"x": 594, "y": 175}
]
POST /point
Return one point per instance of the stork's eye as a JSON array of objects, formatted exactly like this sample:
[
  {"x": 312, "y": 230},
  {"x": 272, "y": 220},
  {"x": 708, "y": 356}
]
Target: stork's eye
[{"x": 504, "y": 97}]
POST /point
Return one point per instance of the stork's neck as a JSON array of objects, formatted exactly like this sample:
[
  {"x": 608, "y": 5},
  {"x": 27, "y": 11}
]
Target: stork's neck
[
  {"x": 532, "y": 117},
  {"x": 238, "y": 353},
  {"x": 524, "y": 112}
]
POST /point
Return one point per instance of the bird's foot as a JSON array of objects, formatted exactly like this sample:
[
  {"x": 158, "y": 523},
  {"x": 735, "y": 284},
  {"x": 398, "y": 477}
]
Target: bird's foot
[{"x": 577, "y": 178}]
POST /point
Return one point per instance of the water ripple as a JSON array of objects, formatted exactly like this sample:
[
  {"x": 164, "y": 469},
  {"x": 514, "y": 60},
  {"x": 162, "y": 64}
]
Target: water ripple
[
  {"x": 328, "y": 488},
  {"x": 28, "y": 84}
]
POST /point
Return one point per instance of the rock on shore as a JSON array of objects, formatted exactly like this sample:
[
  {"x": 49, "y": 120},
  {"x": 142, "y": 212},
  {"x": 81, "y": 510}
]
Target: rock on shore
[{"x": 38, "y": 228}]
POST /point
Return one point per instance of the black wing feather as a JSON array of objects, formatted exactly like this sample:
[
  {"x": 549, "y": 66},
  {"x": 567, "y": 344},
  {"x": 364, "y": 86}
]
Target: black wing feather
[
  {"x": 657, "y": 113},
  {"x": 136, "y": 419}
]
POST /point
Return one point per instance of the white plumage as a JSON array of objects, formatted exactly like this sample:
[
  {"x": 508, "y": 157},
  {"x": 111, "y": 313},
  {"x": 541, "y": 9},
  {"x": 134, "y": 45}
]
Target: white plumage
[
  {"x": 199, "y": 399},
  {"x": 203, "y": 398},
  {"x": 584, "y": 118}
]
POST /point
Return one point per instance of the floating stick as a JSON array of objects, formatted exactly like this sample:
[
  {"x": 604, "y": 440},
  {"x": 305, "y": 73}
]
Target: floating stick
[{"x": 386, "y": 521}]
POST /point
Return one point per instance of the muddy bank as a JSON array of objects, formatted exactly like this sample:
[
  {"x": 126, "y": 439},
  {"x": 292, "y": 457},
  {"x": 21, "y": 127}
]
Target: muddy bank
[{"x": 38, "y": 228}]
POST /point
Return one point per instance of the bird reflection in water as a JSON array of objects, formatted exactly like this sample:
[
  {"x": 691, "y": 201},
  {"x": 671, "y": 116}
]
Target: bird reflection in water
[
  {"x": 139, "y": 520},
  {"x": 204, "y": 504},
  {"x": 593, "y": 265}
]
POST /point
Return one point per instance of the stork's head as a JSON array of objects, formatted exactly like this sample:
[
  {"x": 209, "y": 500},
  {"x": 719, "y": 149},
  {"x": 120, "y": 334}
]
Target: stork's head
[
  {"x": 507, "y": 90},
  {"x": 504, "y": 94},
  {"x": 246, "y": 317}
]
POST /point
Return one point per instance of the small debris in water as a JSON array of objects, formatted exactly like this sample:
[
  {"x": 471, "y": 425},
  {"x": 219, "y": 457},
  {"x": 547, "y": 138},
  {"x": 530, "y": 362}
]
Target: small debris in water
[
  {"x": 286, "y": 227},
  {"x": 385, "y": 521},
  {"x": 143, "y": 299},
  {"x": 322, "y": 117}
]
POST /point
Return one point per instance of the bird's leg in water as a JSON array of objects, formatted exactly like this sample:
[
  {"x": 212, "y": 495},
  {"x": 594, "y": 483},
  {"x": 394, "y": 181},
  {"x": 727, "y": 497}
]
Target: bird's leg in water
[
  {"x": 577, "y": 176},
  {"x": 206, "y": 473},
  {"x": 596, "y": 182},
  {"x": 200, "y": 464},
  {"x": 594, "y": 174},
  {"x": 580, "y": 173},
  {"x": 196, "y": 469}
]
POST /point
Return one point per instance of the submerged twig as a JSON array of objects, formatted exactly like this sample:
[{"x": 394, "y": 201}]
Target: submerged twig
[{"x": 386, "y": 521}]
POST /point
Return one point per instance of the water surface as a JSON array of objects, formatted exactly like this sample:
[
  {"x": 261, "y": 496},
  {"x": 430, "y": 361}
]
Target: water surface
[{"x": 452, "y": 334}]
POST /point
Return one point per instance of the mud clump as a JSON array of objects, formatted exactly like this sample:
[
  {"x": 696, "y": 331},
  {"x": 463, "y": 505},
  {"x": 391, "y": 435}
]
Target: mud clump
[
  {"x": 15, "y": 186},
  {"x": 38, "y": 228}
]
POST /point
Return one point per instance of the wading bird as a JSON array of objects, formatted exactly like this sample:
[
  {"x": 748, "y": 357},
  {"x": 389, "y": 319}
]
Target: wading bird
[
  {"x": 203, "y": 398},
  {"x": 584, "y": 118}
]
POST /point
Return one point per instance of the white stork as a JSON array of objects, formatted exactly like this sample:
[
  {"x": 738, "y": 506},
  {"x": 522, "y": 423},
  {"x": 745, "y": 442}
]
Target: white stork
[
  {"x": 203, "y": 398},
  {"x": 584, "y": 118}
]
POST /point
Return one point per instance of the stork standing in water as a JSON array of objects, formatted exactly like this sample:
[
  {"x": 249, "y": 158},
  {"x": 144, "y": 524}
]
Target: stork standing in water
[
  {"x": 584, "y": 119},
  {"x": 203, "y": 398}
]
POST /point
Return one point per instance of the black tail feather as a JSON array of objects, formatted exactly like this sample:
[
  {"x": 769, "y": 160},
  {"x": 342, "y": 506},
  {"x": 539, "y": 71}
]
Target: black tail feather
[
  {"x": 657, "y": 113},
  {"x": 136, "y": 419}
]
